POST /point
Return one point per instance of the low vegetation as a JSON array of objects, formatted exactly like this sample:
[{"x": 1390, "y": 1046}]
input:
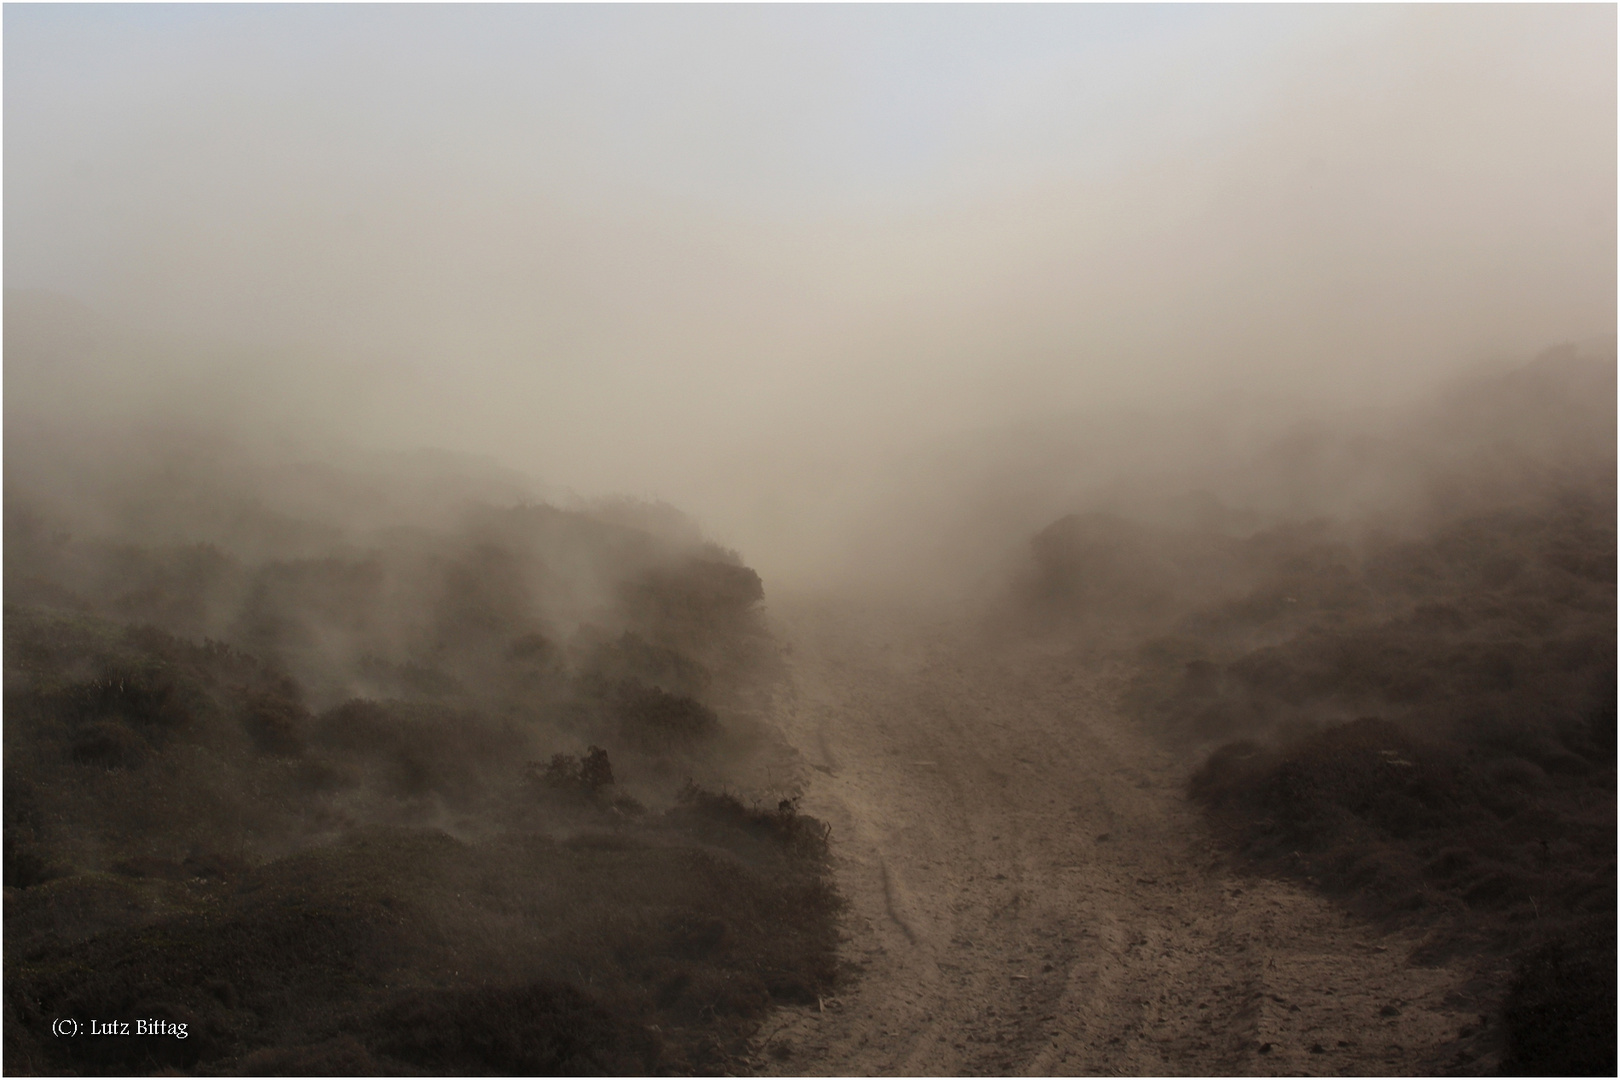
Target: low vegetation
[
  {"x": 1418, "y": 716},
  {"x": 450, "y": 803}
]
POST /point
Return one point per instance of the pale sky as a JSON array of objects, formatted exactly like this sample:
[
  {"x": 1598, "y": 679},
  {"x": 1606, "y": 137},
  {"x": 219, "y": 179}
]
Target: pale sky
[{"x": 740, "y": 257}]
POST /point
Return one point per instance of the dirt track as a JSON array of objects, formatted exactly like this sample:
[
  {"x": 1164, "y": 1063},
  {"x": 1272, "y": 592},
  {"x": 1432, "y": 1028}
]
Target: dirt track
[{"x": 1031, "y": 893}]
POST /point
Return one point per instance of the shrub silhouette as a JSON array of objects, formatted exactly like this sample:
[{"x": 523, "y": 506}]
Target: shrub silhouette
[
  {"x": 587, "y": 779},
  {"x": 658, "y": 721},
  {"x": 1560, "y": 1009},
  {"x": 721, "y": 816}
]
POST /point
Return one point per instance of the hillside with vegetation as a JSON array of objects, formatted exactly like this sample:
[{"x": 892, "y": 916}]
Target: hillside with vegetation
[
  {"x": 1413, "y": 709},
  {"x": 487, "y": 791}
]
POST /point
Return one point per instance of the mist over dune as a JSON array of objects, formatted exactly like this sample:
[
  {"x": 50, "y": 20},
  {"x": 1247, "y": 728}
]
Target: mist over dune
[
  {"x": 552, "y": 539},
  {"x": 781, "y": 253}
]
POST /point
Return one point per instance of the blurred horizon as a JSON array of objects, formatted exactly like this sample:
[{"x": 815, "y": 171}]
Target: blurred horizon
[{"x": 774, "y": 264}]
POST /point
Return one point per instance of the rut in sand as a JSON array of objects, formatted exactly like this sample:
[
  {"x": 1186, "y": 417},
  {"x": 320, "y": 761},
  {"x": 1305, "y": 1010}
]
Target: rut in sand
[{"x": 1031, "y": 892}]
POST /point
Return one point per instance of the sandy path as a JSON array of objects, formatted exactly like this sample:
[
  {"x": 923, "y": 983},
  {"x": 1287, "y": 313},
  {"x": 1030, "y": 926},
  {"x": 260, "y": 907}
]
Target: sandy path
[{"x": 1030, "y": 892}]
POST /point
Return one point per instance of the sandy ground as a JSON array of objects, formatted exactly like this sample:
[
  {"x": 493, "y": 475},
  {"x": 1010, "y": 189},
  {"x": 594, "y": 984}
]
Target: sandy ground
[{"x": 1031, "y": 892}]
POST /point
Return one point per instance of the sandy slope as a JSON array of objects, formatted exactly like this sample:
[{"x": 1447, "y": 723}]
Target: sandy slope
[{"x": 1030, "y": 892}]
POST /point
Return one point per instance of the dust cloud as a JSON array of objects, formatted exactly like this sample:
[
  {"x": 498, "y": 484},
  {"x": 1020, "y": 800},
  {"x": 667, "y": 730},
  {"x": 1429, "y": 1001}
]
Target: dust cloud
[
  {"x": 497, "y": 497},
  {"x": 823, "y": 279}
]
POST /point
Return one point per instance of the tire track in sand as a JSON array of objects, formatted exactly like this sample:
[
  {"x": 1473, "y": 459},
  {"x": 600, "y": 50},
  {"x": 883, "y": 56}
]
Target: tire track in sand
[{"x": 1030, "y": 893}]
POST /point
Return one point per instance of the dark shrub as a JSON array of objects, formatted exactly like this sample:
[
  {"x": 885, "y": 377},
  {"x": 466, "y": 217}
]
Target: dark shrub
[
  {"x": 660, "y": 722},
  {"x": 540, "y": 1029},
  {"x": 149, "y": 695},
  {"x": 713, "y": 815},
  {"x": 1369, "y": 768},
  {"x": 595, "y": 771},
  {"x": 109, "y": 743},
  {"x": 720, "y": 992},
  {"x": 419, "y": 747},
  {"x": 1560, "y": 1010},
  {"x": 1098, "y": 563},
  {"x": 699, "y": 605},
  {"x": 1231, "y": 773},
  {"x": 567, "y": 774},
  {"x": 276, "y": 723},
  {"x": 633, "y": 658}
]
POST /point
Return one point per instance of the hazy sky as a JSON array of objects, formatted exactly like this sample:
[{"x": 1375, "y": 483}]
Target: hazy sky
[{"x": 740, "y": 257}]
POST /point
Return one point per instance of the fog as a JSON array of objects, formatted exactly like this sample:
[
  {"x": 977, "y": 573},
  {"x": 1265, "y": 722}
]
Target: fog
[
  {"x": 869, "y": 292},
  {"x": 870, "y": 540}
]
